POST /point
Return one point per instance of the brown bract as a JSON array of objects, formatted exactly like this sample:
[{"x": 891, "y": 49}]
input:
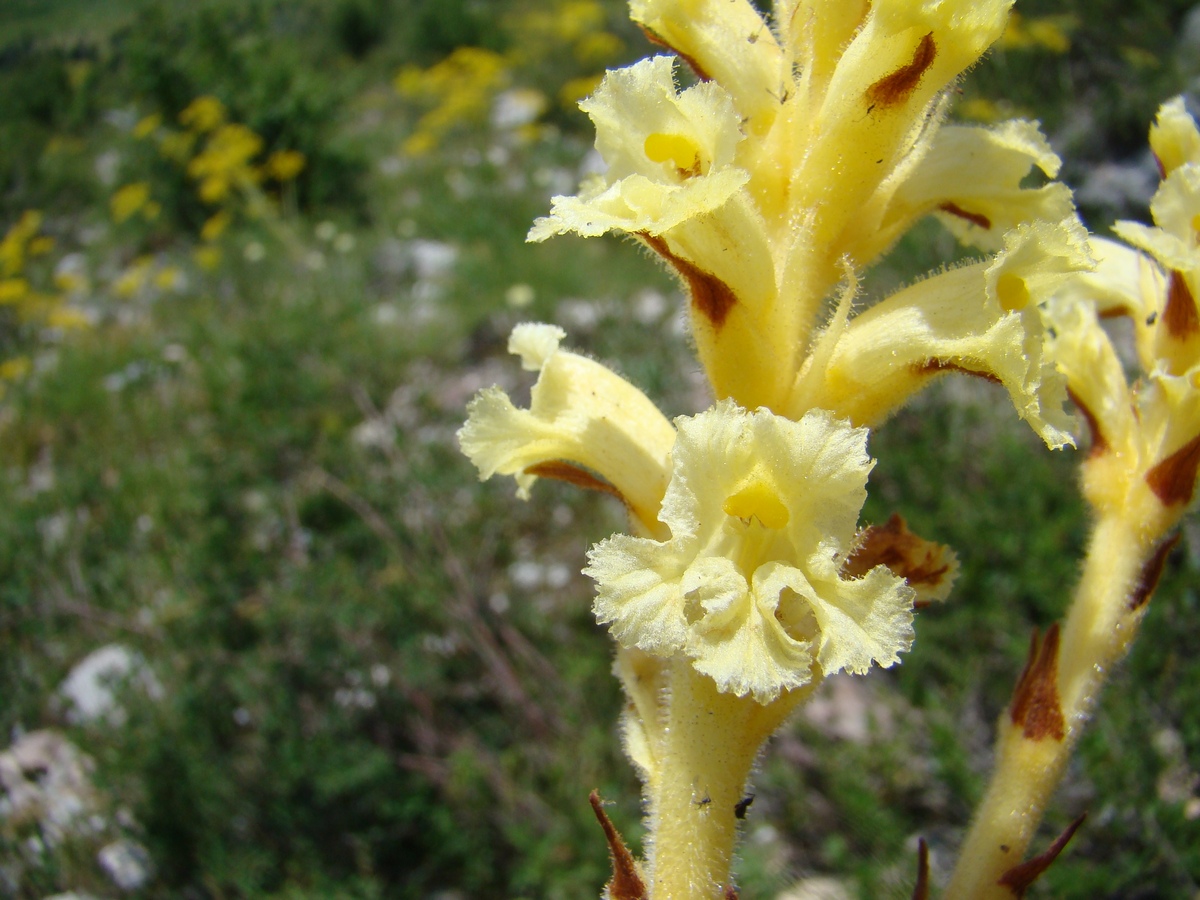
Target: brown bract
[
  {"x": 563, "y": 471},
  {"x": 1035, "y": 704},
  {"x": 626, "y": 883},
  {"x": 711, "y": 297},
  {"x": 1020, "y": 877},
  {"x": 1151, "y": 573},
  {"x": 1180, "y": 316},
  {"x": 922, "y": 563},
  {"x": 1174, "y": 479}
]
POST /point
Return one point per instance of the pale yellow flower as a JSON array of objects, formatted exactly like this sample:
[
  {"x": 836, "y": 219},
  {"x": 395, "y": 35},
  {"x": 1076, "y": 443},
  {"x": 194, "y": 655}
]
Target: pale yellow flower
[
  {"x": 762, "y": 512},
  {"x": 981, "y": 319},
  {"x": 586, "y": 425},
  {"x": 804, "y": 149}
]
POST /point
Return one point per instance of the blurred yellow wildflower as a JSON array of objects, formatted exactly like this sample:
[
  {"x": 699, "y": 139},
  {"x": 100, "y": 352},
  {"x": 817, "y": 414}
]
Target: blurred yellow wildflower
[
  {"x": 128, "y": 200},
  {"x": 133, "y": 278},
  {"x": 14, "y": 248},
  {"x": 1050, "y": 33},
  {"x": 577, "y": 89},
  {"x": 207, "y": 257},
  {"x": 147, "y": 125},
  {"x": 13, "y": 290},
  {"x": 224, "y": 163},
  {"x": 461, "y": 86},
  {"x": 15, "y": 369},
  {"x": 284, "y": 165},
  {"x": 215, "y": 225},
  {"x": 68, "y": 318},
  {"x": 40, "y": 245},
  {"x": 203, "y": 114}
]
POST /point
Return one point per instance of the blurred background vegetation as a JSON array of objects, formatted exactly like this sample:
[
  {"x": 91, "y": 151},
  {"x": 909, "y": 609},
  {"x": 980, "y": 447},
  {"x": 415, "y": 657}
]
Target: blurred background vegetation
[{"x": 263, "y": 634}]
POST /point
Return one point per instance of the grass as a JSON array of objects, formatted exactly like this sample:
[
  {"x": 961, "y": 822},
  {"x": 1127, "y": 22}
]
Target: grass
[{"x": 380, "y": 677}]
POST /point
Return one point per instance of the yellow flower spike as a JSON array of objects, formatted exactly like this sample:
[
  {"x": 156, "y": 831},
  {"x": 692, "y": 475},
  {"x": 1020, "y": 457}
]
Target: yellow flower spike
[
  {"x": 972, "y": 178},
  {"x": 726, "y": 41},
  {"x": 761, "y": 512},
  {"x": 955, "y": 321},
  {"x": 583, "y": 419},
  {"x": 1174, "y": 137}
]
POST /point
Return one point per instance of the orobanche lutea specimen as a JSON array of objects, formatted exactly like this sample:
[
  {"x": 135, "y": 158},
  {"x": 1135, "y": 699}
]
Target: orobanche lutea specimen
[{"x": 807, "y": 144}]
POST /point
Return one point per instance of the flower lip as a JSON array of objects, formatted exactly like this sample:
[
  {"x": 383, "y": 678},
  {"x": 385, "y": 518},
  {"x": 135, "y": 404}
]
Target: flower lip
[{"x": 761, "y": 512}]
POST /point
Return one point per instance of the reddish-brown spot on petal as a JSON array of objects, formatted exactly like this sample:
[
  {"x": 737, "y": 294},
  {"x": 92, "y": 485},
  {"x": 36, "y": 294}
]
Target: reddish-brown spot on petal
[
  {"x": 937, "y": 366},
  {"x": 1115, "y": 312},
  {"x": 1174, "y": 479},
  {"x": 564, "y": 471},
  {"x": 1151, "y": 573},
  {"x": 626, "y": 883},
  {"x": 1020, "y": 877},
  {"x": 1098, "y": 441},
  {"x": 922, "y": 563},
  {"x": 691, "y": 62},
  {"x": 731, "y": 892},
  {"x": 921, "y": 888},
  {"x": 974, "y": 218},
  {"x": 711, "y": 297},
  {"x": 897, "y": 87},
  {"x": 1180, "y": 316},
  {"x": 1035, "y": 708}
]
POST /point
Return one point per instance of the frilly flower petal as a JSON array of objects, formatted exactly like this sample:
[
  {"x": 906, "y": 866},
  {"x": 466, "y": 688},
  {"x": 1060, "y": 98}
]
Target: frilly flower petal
[
  {"x": 738, "y": 641},
  {"x": 670, "y": 155},
  {"x": 860, "y": 621},
  {"x": 639, "y": 592},
  {"x": 981, "y": 319},
  {"x": 972, "y": 178},
  {"x": 761, "y": 512},
  {"x": 583, "y": 419}
]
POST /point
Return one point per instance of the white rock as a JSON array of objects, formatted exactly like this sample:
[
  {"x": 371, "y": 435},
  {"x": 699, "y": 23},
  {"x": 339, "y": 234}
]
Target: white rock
[
  {"x": 126, "y": 863},
  {"x": 89, "y": 686}
]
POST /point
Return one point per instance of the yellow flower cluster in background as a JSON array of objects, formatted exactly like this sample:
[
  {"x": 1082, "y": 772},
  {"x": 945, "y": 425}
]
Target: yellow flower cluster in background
[
  {"x": 222, "y": 158},
  {"x": 1052, "y": 33},
  {"x": 460, "y": 89},
  {"x": 461, "y": 86},
  {"x": 22, "y": 253}
]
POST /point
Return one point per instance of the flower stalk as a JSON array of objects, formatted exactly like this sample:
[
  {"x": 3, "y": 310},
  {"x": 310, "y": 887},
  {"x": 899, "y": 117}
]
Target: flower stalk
[{"x": 1139, "y": 478}]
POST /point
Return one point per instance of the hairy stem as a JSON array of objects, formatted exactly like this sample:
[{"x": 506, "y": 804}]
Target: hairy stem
[
  {"x": 1039, "y": 730},
  {"x": 706, "y": 750}
]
